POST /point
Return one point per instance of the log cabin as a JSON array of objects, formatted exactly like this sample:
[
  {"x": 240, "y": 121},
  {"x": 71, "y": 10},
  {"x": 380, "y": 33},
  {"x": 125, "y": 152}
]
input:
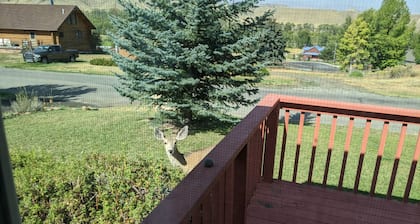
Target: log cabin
[{"x": 29, "y": 25}]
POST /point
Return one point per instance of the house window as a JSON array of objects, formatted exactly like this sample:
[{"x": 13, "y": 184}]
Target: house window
[
  {"x": 72, "y": 19},
  {"x": 61, "y": 34},
  {"x": 79, "y": 34},
  {"x": 32, "y": 35}
]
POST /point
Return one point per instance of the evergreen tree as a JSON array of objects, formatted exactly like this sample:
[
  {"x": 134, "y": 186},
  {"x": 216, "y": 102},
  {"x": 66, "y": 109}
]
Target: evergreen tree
[
  {"x": 353, "y": 50},
  {"x": 274, "y": 44},
  {"x": 190, "y": 59}
]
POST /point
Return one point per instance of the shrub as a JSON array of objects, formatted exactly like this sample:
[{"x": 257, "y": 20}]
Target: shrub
[
  {"x": 102, "y": 62},
  {"x": 93, "y": 189},
  {"x": 356, "y": 73},
  {"x": 399, "y": 71},
  {"x": 26, "y": 102}
]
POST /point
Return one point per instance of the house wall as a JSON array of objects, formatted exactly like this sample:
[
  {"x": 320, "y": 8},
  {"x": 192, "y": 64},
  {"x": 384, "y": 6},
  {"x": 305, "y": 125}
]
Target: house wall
[
  {"x": 75, "y": 34},
  {"x": 18, "y": 37}
]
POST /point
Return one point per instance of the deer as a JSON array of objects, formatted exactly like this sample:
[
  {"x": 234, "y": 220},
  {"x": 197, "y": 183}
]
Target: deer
[{"x": 176, "y": 158}]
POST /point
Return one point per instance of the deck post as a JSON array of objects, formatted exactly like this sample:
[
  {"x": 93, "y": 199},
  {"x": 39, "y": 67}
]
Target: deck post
[{"x": 270, "y": 144}]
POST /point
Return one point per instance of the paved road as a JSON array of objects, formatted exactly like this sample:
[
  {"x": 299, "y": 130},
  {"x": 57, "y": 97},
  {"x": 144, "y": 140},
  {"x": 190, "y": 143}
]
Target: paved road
[
  {"x": 93, "y": 90},
  {"x": 330, "y": 89},
  {"x": 311, "y": 66},
  {"x": 99, "y": 91}
]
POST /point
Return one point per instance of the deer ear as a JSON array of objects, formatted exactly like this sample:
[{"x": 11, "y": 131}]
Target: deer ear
[
  {"x": 183, "y": 133},
  {"x": 159, "y": 134}
]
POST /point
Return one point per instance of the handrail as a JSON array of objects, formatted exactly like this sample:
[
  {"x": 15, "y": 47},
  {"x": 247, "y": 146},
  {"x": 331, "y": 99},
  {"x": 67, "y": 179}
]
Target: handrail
[{"x": 219, "y": 194}]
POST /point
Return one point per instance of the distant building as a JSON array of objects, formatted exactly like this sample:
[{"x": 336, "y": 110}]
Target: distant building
[
  {"x": 312, "y": 52},
  {"x": 27, "y": 25}
]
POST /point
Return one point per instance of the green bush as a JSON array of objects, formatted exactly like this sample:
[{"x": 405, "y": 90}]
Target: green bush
[
  {"x": 356, "y": 73},
  {"x": 92, "y": 189},
  {"x": 399, "y": 71},
  {"x": 102, "y": 62}
]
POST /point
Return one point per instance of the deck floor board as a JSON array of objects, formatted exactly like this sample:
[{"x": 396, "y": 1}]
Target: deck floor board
[{"x": 284, "y": 202}]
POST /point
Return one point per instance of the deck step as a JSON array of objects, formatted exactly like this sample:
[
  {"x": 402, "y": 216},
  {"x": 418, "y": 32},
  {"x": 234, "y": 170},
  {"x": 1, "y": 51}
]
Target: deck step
[{"x": 284, "y": 202}]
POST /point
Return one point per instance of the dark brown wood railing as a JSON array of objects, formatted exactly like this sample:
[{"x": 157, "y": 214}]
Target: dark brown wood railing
[{"x": 246, "y": 156}]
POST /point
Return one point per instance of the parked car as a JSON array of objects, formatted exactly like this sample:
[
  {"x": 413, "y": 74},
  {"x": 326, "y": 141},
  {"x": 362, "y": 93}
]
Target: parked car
[{"x": 49, "y": 53}]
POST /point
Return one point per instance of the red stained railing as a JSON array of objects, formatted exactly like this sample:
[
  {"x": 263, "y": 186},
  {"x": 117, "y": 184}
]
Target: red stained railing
[{"x": 246, "y": 156}]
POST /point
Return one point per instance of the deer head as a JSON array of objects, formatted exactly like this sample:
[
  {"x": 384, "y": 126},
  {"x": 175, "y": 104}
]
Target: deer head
[{"x": 175, "y": 157}]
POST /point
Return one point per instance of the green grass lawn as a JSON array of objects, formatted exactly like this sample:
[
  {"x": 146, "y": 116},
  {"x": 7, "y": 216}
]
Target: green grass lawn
[
  {"x": 98, "y": 166},
  {"x": 71, "y": 132},
  {"x": 82, "y": 65}
]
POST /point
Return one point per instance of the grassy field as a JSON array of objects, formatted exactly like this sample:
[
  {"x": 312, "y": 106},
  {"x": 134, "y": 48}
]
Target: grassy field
[
  {"x": 408, "y": 86},
  {"x": 82, "y": 65},
  {"x": 100, "y": 166},
  {"x": 71, "y": 132}
]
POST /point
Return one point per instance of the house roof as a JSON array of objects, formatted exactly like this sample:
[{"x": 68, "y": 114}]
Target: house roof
[
  {"x": 36, "y": 17},
  {"x": 307, "y": 50},
  {"x": 319, "y": 48}
]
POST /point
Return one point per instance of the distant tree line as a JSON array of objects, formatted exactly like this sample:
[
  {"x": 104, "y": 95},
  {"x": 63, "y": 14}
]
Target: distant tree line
[{"x": 325, "y": 35}]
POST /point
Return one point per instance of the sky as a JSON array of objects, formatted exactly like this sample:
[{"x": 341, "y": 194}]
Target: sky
[{"x": 359, "y": 5}]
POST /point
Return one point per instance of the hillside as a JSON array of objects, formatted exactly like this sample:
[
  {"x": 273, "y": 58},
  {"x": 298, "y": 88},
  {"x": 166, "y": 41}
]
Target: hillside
[
  {"x": 282, "y": 13},
  {"x": 301, "y": 16}
]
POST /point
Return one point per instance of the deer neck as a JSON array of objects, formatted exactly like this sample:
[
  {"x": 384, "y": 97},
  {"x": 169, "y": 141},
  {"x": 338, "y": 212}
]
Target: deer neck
[{"x": 176, "y": 158}]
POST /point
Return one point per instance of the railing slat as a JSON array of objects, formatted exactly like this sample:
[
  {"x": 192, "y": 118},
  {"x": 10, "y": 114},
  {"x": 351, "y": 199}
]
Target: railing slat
[
  {"x": 397, "y": 160},
  {"x": 412, "y": 170},
  {"x": 346, "y": 152},
  {"x": 362, "y": 154},
  {"x": 314, "y": 145},
  {"x": 283, "y": 143},
  {"x": 379, "y": 158},
  {"x": 330, "y": 148},
  {"x": 298, "y": 145}
]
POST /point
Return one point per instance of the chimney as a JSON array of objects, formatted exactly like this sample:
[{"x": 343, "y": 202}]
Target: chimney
[{"x": 52, "y": 2}]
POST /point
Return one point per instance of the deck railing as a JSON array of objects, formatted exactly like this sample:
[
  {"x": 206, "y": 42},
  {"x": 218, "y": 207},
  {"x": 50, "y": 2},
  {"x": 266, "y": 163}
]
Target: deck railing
[{"x": 247, "y": 155}]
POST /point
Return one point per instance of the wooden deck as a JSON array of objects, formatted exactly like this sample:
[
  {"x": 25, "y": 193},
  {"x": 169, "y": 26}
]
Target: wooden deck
[
  {"x": 285, "y": 202},
  {"x": 247, "y": 183}
]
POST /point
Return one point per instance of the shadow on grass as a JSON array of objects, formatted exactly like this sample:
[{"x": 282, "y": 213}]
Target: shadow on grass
[
  {"x": 295, "y": 118},
  {"x": 221, "y": 126},
  {"x": 58, "y": 93}
]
